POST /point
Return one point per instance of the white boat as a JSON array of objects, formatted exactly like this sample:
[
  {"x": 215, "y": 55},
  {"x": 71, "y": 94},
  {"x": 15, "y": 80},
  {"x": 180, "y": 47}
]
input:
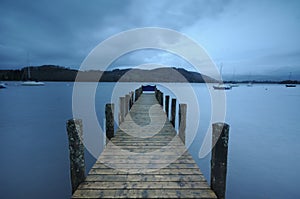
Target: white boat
[
  {"x": 2, "y": 85},
  {"x": 290, "y": 85},
  {"x": 30, "y": 82},
  {"x": 249, "y": 84},
  {"x": 222, "y": 87},
  {"x": 33, "y": 83},
  {"x": 234, "y": 85}
]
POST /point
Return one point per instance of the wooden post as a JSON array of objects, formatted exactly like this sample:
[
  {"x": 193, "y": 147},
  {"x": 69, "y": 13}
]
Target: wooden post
[
  {"x": 159, "y": 96},
  {"x": 162, "y": 99},
  {"x": 136, "y": 97},
  {"x": 130, "y": 99},
  {"x": 138, "y": 93},
  {"x": 122, "y": 109},
  {"x": 173, "y": 111},
  {"x": 219, "y": 153},
  {"x": 167, "y": 101},
  {"x": 182, "y": 121},
  {"x": 76, "y": 148},
  {"x": 109, "y": 115},
  {"x": 127, "y": 98}
]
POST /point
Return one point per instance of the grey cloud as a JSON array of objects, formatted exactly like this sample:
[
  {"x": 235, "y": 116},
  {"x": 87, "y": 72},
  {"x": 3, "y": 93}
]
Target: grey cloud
[
  {"x": 174, "y": 14},
  {"x": 48, "y": 28},
  {"x": 63, "y": 32}
]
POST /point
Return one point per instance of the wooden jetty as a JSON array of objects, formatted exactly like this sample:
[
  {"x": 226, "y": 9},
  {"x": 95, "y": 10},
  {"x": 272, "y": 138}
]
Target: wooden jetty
[{"x": 145, "y": 158}]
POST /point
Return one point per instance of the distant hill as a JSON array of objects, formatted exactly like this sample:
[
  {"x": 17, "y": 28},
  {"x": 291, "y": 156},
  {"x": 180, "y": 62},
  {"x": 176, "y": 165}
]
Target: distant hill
[
  {"x": 41, "y": 73},
  {"x": 58, "y": 73}
]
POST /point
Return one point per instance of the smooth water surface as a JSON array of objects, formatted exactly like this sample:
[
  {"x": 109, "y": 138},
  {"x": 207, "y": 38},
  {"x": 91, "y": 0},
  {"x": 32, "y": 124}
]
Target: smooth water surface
[{"x": 264, "y": 149}]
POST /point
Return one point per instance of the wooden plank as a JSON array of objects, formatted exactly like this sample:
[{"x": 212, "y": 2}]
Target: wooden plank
[
  {"x": 203, "y": 193},
  {"x": 144, "y": 177},
  {"x": 150, "y": 166},
  {"x": 149, "y": 171},
  {"x": 143, "y": 185}
]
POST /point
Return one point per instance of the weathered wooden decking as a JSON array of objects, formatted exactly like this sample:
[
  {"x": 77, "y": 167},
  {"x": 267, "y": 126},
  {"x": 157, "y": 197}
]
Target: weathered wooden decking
[{"x": 145, "y": 159}]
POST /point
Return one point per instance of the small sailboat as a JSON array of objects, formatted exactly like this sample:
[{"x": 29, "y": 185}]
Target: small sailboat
[
  {"x": 233, "y": 84},
  {"x": 221, "y": 86},
  {"x": 33, "y": 83},
  {"x": 290, "y": 85},
  {"x": 30, "y": 82},
  {"x": 250, "y": 82}
]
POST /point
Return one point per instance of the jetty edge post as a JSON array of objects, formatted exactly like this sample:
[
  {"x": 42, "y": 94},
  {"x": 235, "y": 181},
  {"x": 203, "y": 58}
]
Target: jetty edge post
[
  {"x": 167, "y": 101},
  {"x": 157, "y": 96},
  {"x": 182, "y": 121},
  {"x": 109, "y": 116},
  {"x": 122, "y": 109},
  {"x": 161, "y": 98},
  {"x": 157, "y": 93},
  {"x": 173, "y": 111},
  {"x": 220, "y": 136},
  {"x": 76, "y": 148},
  {"x": 127, "y": 98},
  {"x": 130, "y": 99},
  {"x": 138, "y": 93}
]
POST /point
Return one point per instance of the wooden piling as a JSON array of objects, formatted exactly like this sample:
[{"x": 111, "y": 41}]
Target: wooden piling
[
  {"x": 219, "y": 153},
  {"x": 167, "y": 101},
  {"x": 157, "y": 96},
  {"x": 127, "y": 98},
  {"x": 130, "y": 99},
  {"x": 76, "y": 148},
  {"x": 182, "y": 121},
  {"x": 161, "y": 98},
  {"x": 122, "y": 109},
  {"x": 109, "y": 115},
  {"x": 173, "y": 111},
  {"x": 138, "y": 93}
]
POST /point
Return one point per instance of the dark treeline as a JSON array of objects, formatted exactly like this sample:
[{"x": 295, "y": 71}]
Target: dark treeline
[
  {"x": 58, "y": 73},
  {"x": 41, "y": 73}
]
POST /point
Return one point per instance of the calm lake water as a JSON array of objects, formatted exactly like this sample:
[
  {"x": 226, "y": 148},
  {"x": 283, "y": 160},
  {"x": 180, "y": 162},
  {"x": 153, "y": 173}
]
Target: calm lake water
[{"x": 264, "y": 149}]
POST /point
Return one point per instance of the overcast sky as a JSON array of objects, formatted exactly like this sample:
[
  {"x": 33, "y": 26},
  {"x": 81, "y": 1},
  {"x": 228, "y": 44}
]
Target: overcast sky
[{"x": 255, "y": 36}]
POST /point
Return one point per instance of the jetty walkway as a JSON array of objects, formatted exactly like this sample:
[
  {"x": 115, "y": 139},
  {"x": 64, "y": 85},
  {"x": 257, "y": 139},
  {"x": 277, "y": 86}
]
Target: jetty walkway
[{"x": 145, "y": 159}]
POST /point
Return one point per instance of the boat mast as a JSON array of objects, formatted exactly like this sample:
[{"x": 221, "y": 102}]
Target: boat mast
[
  {"x": 28, "y": 67},
  {"x": 221, "y": 68}
]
